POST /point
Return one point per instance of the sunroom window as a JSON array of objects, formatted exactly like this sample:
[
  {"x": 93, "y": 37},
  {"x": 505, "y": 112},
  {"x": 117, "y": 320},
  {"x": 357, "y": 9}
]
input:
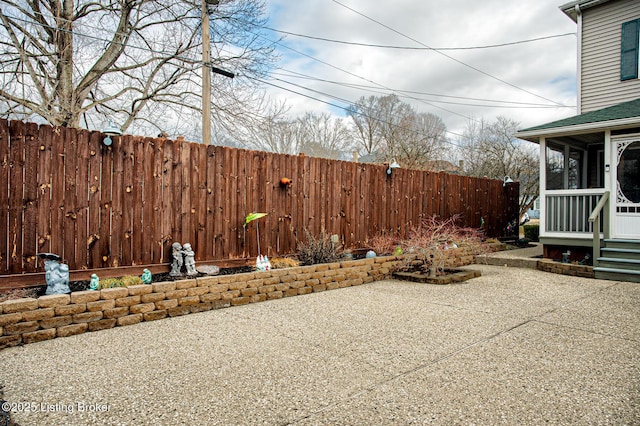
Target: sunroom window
[{"x": 555, "y": 168}]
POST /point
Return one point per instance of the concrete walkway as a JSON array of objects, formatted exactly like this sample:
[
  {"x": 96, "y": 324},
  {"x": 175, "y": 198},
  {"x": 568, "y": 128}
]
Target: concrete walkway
[
  {"x": 518, "y": 258},
  {"x": 515, "y": 347}
]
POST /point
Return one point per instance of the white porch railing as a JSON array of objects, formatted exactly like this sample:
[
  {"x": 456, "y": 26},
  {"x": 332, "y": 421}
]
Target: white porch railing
[
  {"x": 595, "y": 218},
  {"x": 567, "y": 211}
]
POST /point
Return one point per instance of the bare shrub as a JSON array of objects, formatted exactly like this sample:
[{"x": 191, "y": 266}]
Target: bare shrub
[{"x": 318, "y": 249}]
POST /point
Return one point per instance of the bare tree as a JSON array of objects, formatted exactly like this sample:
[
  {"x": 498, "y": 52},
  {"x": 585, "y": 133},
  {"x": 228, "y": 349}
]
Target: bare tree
[
  {"x": 70, "y": 62},
  {"x": 417, "y": 141},
  {"x": 366, "y": 122},
  {"x": 273, "y": 131},
  {"x": 389, "y": 128},
  {"x": 321, "y": 135},
  {"x": 317, "y": 135},
  {"x": 491, "y": 150}
]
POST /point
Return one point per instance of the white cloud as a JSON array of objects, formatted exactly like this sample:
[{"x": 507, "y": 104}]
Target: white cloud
[{"x": 546, "y": 68}]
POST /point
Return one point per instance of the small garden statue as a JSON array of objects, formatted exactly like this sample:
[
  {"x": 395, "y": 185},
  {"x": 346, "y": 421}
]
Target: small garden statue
[
  {"x": 177, "y": 260},
  {"x": 56, "y": 274},
  {"x": 262, "y": 263},
  {"x": 95, "y": 282},
  {"x": 146, "y": 276},
  {"x": 189, "y": 259}
]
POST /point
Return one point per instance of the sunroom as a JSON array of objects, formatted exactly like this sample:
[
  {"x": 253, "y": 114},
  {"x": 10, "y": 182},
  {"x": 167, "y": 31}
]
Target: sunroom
[{"x": 589, "y": 181}]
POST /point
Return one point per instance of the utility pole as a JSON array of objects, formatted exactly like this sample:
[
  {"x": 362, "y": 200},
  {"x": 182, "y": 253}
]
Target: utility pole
[
  {"x": 207, "y": 68},
  {"x": 206, "y": 72}
]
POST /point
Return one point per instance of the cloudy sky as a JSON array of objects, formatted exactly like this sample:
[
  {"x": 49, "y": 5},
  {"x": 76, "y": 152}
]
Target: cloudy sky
[{"x": 456, "y": 85}]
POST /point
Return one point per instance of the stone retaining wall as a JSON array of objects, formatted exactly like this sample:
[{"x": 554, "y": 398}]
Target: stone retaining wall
[
  {"x": 549, "y": 265},
  {"x": 30, "y": 320}
]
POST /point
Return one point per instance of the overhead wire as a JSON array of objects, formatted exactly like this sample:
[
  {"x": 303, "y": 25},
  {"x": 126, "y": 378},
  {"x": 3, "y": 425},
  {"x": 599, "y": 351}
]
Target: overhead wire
[
  {"x": 377, "y": 85},
  {"x": 148, "y": 49},
  {"x": 444, "y": 54},
  {"x": 358, "y": 112},
  {"x": 514, "y": 104},
  {"x": 345, "y": 84},
  {"x": 356, "y": 75},
  {"x": 387, "y": 46}
]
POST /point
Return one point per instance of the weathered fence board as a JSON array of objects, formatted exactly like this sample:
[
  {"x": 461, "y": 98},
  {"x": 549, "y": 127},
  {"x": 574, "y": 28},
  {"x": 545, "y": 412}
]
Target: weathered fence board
[
  {"x": 30, "y": 207},
  {"x": 4, "y": 195},
  {"x": 43, "y": 227},
  {"x": 63, "y": 191},
  {"x": 16, "y": 192}
]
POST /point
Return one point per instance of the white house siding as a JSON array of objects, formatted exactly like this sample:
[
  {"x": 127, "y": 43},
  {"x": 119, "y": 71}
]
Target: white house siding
[{"x": 601, "y": 33}]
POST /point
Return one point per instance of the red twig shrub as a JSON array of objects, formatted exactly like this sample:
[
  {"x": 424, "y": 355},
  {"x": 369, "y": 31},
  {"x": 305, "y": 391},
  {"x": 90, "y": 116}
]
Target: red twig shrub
[{"x": 432, "y": 243}]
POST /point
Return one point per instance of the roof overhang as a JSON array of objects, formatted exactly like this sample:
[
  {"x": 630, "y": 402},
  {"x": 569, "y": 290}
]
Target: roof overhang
[
  {"x": 616, "y": 117},
  {"x": 572, "y": 8},
  {"x": 577, "y": 129}
]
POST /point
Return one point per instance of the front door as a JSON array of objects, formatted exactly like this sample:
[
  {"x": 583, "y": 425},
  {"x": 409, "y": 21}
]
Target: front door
[{"x": 626, "y": 178}]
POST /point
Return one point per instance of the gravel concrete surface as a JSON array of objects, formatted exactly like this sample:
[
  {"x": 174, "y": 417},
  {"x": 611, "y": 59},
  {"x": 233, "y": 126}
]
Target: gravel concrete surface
[{"x": 515, "y": 346}]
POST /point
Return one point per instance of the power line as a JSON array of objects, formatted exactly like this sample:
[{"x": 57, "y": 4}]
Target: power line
[
  {"x": 445, "y": 55},
  {"x": 342, "y": 107},
  {"x": 357, "y": 76},
  {"x": 147, "y": 49},
  {"x": 514, "y": 104},
  {"x": 387, "y": 46}
]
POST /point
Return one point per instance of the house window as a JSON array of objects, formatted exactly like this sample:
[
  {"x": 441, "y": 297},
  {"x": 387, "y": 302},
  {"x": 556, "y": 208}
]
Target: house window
[{"x": 630, "y": 50}]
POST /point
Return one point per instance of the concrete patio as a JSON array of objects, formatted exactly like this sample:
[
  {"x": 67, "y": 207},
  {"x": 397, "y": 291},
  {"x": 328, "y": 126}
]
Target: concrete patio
[{"x": 515, "y": 346}]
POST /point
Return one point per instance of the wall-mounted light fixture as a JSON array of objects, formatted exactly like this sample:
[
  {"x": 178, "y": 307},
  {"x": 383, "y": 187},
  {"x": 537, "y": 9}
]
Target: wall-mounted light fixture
[
  {"x": 506, "y": 180},
  {"x": 110, "y": 130},
  {"x": 393, "y": 164}
]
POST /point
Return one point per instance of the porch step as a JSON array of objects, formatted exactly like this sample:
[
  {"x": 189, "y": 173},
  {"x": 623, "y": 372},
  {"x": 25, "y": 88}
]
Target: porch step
[
  {"x": 617, "y": 274},
  {"x": 620, "y": 253},
  {"x": 619, "y": 260},
  {"x": 622, "y": 244},
  {"x": 619, "y": 263}
]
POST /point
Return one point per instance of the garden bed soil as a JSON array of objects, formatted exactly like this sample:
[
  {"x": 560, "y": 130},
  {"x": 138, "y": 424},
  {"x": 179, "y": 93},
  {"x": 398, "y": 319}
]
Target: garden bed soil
[{"x": 449, "y": 277}]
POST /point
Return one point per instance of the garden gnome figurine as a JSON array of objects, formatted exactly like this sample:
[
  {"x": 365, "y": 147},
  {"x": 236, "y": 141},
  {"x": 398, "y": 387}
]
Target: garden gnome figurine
[
  {"x": 189, "y": 259},
  {"x": 95, "y": 282},
  {"x": 176, "y": 263},
  {"x": 146, "y": 276},
  {"x": 56, "y": 274}
]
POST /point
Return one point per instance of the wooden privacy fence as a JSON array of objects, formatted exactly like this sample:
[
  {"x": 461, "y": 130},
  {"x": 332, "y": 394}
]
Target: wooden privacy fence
[{"x": 63, "y": 191}]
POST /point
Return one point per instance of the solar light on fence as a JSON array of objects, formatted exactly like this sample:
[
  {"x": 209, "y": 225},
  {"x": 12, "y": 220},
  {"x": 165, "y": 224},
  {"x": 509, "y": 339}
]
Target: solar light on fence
[
  {"x": 506, "y": 180},
  {"x": 393, "y": 164},
  {"x": 110, "y": 130}
]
